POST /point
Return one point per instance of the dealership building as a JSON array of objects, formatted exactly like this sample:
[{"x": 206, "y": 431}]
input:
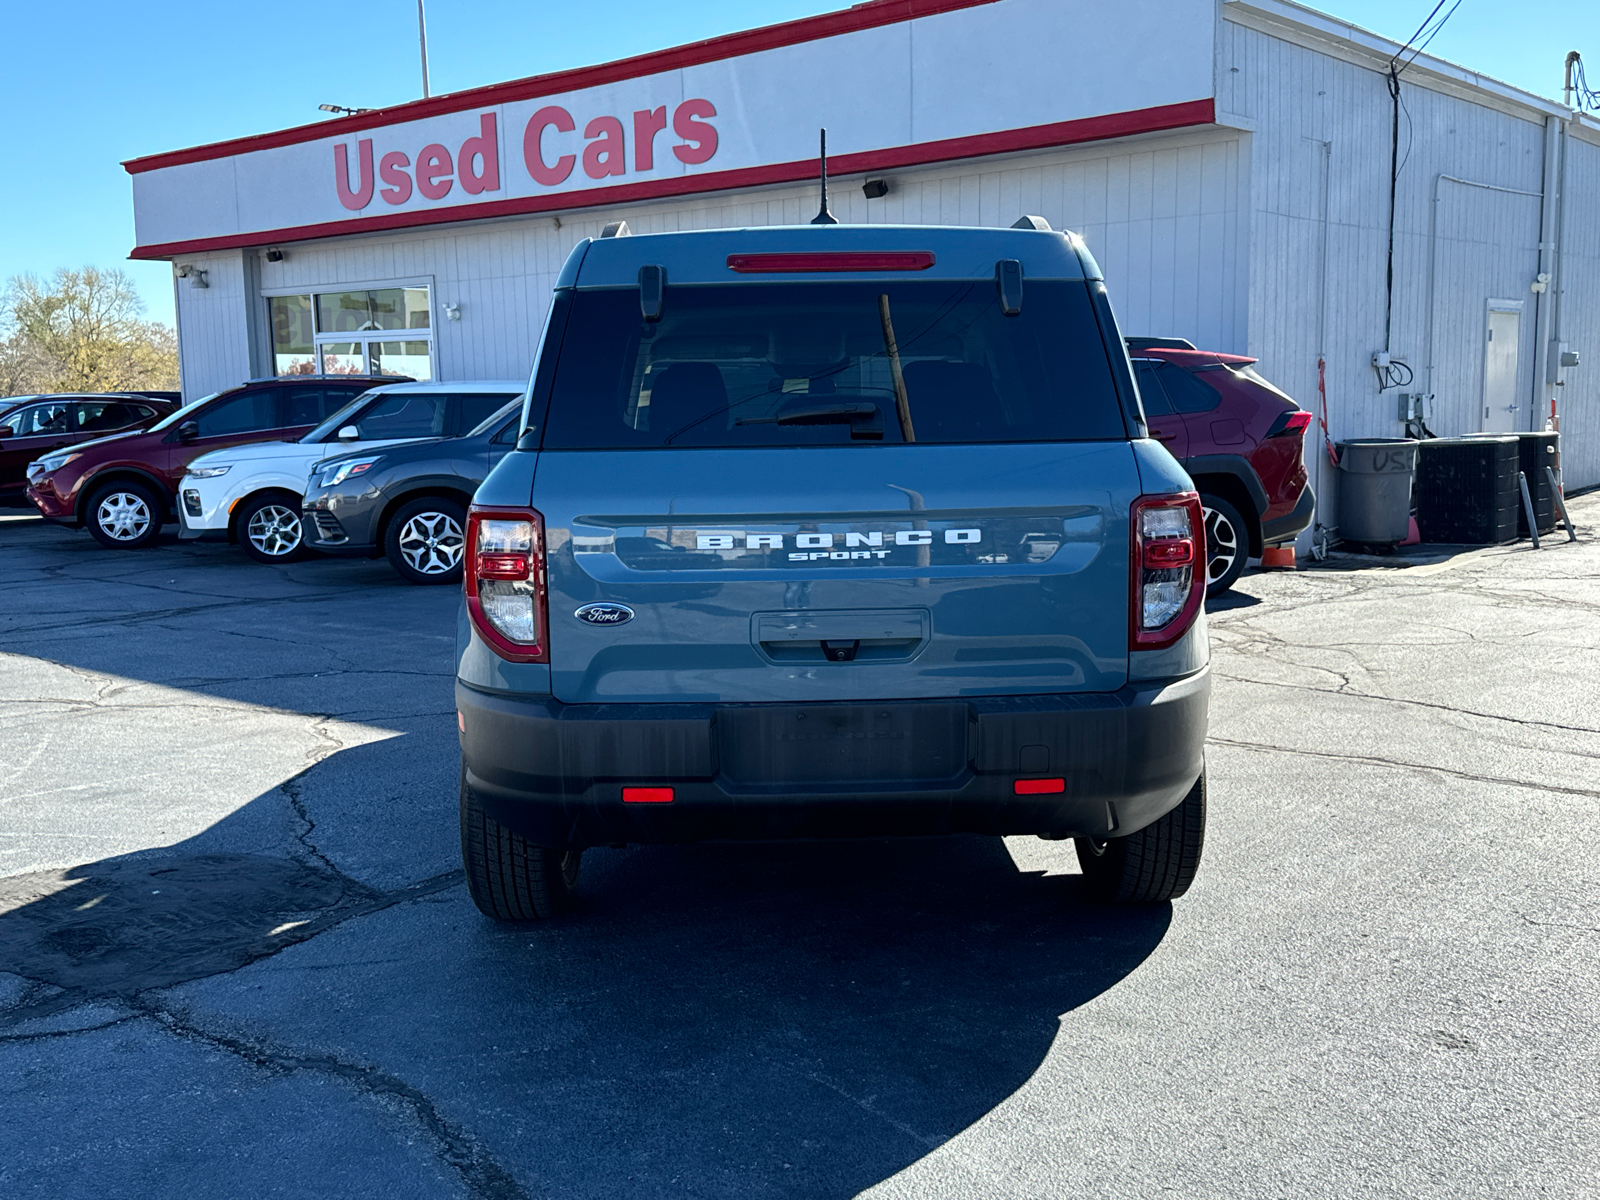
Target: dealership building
[{"x": 1227, "y": 161}]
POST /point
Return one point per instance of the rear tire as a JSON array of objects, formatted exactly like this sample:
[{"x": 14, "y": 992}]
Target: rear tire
[
  {"x": 426, "y": 540},
  {"x": 1157, "y": 863},
  {"x": 270, "y": 529},
  {"x": 509, "y": 878},
  {"x": 125, "y": 515},
  {"x": 1227, "y": 543}
]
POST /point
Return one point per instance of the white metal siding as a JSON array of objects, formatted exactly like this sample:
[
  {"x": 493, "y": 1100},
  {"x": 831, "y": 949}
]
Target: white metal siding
[
  {"x": 1162, "y": 216},
  {"x": 1486, "y": 242},
  {"x": 1579, "y": 397},
  {"x": 213, "y": 324}
]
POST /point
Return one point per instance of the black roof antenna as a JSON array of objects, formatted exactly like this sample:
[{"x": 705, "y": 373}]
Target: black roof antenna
[{"x": 824, "y": 217}]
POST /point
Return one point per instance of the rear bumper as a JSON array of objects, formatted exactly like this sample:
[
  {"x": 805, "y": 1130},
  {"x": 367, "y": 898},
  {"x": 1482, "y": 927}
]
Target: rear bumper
[
  {"x": 555, "y": 772},
  {"x": 1284, "y": 528}
]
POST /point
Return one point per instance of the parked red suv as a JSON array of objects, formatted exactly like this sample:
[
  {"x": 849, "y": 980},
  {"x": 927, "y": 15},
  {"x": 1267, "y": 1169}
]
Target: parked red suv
[
  {"x": 125, "y": 487},
  {"x": 1239, "y": 438},
  {"x": 32, "y": 426}
]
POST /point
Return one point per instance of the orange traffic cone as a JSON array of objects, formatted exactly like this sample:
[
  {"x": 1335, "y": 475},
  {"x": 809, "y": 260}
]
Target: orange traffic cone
[{"x": 1277, "y": 558}]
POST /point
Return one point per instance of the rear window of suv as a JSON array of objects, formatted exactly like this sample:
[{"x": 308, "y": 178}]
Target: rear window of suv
[{"x": 810, "y": 364}]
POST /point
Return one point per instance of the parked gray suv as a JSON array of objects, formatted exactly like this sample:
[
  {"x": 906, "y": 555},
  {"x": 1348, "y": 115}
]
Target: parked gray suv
[{"x": 832, "y": 531}]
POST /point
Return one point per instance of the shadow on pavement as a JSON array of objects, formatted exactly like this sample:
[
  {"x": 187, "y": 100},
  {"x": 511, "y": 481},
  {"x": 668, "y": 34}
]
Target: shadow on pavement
[{"x": 815, "y": 1015}]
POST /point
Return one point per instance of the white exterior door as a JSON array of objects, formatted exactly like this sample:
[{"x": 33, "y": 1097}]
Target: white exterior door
[{"x": 1500, "y": 399}]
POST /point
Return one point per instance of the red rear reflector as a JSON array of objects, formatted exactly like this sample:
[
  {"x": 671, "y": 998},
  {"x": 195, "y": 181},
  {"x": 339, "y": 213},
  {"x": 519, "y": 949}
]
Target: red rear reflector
[
  {"x": 877, "y": 260},
  {"x": 641, "y": 795},
  {"x": 1168, "y": 552},
  {"x": 503, "y": 566},
  {"x": 1038, "y": 787}
]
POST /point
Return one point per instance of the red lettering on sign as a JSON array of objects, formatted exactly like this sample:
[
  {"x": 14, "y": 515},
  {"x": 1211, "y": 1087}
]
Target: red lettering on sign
[
  {"x": 487, "y": 147},
  {"x": 608, "y": 154},
  {"x": 689, "y": 129},
  {"x": 362, "y": 196},
  {"x": 391, "y": 172},
  {"x": 533, "y": 157},
  {"x": 646, "y": 124},
  {"x": 433, "y": 172}
]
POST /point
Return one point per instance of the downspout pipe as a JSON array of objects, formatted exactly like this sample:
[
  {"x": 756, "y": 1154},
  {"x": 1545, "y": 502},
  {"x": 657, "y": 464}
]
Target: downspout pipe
[{"x": 1543, "y": 393}]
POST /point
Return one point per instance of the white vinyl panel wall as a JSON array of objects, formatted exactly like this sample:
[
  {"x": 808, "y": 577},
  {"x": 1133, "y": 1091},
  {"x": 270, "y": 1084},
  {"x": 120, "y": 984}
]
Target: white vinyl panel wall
[
  {"x": 214, "y": 324},
  {"x": 1321, "y": 154},
  {"x": 1578, "y": 399}
]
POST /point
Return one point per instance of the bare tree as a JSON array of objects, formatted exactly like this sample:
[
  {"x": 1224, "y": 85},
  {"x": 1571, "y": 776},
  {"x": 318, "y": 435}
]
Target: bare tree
[{"x": 81, "y": 332}]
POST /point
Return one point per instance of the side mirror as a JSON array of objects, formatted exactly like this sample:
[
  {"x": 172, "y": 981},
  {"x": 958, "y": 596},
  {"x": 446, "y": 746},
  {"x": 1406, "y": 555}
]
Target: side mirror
[
  {"x": 349, "y": 434},
  {"x": 188, "y": 431},
  {"x": 6, "y": 431}
]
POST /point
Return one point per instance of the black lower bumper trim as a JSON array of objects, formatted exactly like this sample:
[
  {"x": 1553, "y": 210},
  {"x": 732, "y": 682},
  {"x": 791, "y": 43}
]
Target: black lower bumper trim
[
  {"x": 1285, "y": 528},
  {"x": 555, "y": 772}
]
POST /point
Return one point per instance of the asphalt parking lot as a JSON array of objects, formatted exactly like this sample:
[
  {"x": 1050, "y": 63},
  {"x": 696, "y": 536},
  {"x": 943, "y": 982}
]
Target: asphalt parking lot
[{"x": 237, "y": 957}]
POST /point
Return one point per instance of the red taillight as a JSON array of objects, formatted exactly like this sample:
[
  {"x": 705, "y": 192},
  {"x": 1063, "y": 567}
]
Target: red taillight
[
  {"x": 1290, "y": 424},
  {"x": 503, "y": 566},
  {"x": 1038, "y": 787},
  {"x": 874, "y": 260},
  {"x": 646, "y": 795},
  {"x": 1168, "y": 553},
  {"x": 1167, "y": 557},
  {"x": 505, "y": 582}
]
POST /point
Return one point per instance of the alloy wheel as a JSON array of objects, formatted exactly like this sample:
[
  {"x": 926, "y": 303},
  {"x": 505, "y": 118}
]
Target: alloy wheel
[
  {"x": 1222, "y": 545},
  {"x": 123, "y": 516},
  {"x": 432, "y": 543},
  {"x": 274, "y": 530}
]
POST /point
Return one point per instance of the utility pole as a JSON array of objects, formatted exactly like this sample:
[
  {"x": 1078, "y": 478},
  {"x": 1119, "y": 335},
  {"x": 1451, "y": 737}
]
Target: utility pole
[{"x": 422, "y": 41}]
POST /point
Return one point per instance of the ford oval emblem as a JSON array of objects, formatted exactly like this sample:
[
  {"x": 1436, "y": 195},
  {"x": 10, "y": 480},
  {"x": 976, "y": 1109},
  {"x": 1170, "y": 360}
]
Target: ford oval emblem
[{"x": 605, "y": 614}]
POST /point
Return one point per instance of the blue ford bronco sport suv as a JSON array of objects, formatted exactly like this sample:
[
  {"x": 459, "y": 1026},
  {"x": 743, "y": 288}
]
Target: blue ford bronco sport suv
[{"x": 832, "y": 531}]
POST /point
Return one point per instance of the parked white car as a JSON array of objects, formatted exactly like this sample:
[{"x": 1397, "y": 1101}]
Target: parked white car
[{"x": 251, "y": 494}]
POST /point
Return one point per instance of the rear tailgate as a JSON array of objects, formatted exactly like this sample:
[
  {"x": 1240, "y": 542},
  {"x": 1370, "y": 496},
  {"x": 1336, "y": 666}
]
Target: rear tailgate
[{"x": 832, "y": 574}]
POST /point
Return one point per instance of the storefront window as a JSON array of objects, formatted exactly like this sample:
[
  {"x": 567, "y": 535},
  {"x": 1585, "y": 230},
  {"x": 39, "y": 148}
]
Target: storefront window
[
  {"x": 400, "y": 358},
  {"x": 292, "y": 335},
  {"x": 386, "y": 308},
  {"x": 382, "y": 331}
]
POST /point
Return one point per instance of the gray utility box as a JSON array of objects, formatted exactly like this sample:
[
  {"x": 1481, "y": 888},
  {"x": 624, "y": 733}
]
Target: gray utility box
[{"x": 1375, "y": 477}]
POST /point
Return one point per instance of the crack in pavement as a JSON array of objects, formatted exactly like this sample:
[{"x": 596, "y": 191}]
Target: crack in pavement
[
  {"x": 453, "y": 1144},
  {"x": 1450, "y": 708},
  {"x": 1379, "y": 761}
]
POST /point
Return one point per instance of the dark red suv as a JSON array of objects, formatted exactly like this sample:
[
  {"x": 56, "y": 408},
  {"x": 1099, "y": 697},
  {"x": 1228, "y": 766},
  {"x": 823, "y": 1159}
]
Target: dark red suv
[
  {"x": 125, "y": 487},
  {"x": 33, "y": 426},
  {"x": 1240, "y": 439}
]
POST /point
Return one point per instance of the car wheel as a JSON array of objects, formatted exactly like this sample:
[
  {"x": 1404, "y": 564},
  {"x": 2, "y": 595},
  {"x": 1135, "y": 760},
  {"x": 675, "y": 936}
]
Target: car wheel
[
  {"x": 426, "y": 540},
  {"x": 1227, "y": 543},
  {"x": 510, "y": 878},
  {"x": 269, "y": 528},
  {"x": 125, "y": 515},
  {"x": 1155, "y": 864}
]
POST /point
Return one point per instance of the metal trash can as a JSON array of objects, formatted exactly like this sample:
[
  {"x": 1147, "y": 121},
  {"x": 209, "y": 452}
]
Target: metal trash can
[{"x": 1375, "y": 489}]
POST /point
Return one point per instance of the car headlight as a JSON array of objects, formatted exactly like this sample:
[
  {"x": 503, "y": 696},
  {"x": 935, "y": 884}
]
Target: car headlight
[
  {"x": 339, "y": 472},
  {"x": 53, "y": 463},
  {"x": 209, "y": 472}
]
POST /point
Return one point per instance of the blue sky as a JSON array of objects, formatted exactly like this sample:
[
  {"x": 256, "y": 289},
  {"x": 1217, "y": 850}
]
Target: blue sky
[{"x": 88, "y": 84}]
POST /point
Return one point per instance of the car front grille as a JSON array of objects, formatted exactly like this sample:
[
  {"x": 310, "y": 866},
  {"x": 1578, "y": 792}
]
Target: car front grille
[{"x": 329, "y": 529}]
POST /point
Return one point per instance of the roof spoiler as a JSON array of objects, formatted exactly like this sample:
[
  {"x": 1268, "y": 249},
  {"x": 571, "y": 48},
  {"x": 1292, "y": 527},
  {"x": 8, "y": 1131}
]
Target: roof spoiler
[{"x": 1028, "y": 222}]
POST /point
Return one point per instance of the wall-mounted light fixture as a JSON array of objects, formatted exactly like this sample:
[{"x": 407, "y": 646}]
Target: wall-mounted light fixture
[
  {"x": 274, "y": 254},
  {"x": 195, "y": 275},
  {"x": 874, "y": 189},
  {"x": 339, "y": 108},
  {"x": 453, "y": 311}
]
